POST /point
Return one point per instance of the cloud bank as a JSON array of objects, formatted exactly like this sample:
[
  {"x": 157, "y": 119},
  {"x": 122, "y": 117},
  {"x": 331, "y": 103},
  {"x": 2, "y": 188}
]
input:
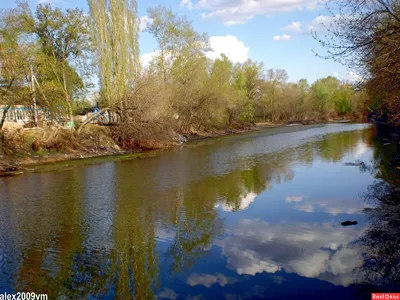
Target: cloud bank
[{"x": 240, "y": 11}]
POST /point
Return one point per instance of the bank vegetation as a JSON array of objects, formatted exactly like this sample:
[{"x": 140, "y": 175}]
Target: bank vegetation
[
  {"x": 51, "y": 60},
  {"x": 365, "y": 36}
]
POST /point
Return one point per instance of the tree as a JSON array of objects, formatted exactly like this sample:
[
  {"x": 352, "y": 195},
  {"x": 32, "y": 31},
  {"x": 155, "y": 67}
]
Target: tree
[
  {"x": 65, "y": 40},
  {"x": 225, "y": 105},
  {"x": 342, "y": 100},
  {"x": 182, "y": 67},
  {"x": 304, "y": 102},
  {"x": 16, "y": 47},
  {"x": 247, "y": 80},
  {"x": 115, "y": 28},
  {"x": 174, "y": 35},
  {"x": 275, "y": 81},
  {"x": 365, "y": 35},
  {"x": 323, "y": 94}
]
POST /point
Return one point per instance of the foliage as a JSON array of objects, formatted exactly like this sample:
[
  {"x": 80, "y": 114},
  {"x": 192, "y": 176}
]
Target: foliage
[
  {"x": 115, "y": 30},
  {"x": 16, "y": 51},
  {"x": 65, "y": 41},
  {"x": 46, "y": 60},
  {"x": 365, "y": 36}
]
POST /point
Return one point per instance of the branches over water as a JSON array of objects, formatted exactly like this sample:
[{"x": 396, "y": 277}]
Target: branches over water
[{"x": 365, "y": 35}]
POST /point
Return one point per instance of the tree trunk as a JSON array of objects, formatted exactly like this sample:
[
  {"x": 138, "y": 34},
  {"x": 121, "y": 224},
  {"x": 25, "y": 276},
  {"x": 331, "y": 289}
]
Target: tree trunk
[
  {"x": 67, "y": 98},
  {"x": 35, "y": 113},
  {"x": 87, "y": 121},
  {"x": 3, "y": 118}
]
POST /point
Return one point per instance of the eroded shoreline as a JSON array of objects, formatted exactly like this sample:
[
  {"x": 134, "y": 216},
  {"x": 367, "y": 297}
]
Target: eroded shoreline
[{"x": 14, "y": 166}]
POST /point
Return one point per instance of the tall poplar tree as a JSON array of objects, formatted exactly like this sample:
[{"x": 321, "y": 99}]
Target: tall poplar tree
[{"x": 116, "y": 41}]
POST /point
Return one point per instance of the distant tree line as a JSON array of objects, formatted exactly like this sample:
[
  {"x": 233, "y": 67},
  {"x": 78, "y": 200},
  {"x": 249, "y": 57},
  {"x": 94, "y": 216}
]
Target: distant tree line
[{"x": 49, "y": 58}]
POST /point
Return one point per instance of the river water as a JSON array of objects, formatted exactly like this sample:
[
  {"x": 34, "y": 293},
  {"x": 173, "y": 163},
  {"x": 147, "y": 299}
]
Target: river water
[{"x": 256, "y": 215}]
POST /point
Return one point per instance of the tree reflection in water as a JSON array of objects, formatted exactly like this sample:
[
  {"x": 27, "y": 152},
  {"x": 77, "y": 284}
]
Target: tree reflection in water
[
  {"x": 382, "y": 239},
  {"x": 381, "y": 262},
  {"x": 100, "y": 237}
]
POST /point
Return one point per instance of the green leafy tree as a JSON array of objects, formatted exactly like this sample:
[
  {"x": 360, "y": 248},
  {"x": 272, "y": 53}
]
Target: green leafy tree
[
  {"x": 115, "y": 29},
  {"x": 342, "y": 99},
  {"x": 65, "y": 40},
  {"x": 16, "y": 51}
]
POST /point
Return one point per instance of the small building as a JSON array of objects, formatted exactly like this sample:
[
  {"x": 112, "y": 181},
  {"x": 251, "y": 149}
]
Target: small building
[
  {"x": 22, "y": 114},
  {"x": 17, "y": 113}
]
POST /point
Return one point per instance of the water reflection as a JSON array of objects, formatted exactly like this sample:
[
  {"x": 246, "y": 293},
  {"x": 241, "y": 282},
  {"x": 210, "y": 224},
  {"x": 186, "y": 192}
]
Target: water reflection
[
  {"x": 381, "y": 240},
  {"x": 240, "y": 216},
  {"x": 313, "y": 250}
]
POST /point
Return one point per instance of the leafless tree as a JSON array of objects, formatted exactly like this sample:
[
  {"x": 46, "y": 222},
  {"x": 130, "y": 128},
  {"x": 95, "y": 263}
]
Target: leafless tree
[{"x": 365, "y": 35}]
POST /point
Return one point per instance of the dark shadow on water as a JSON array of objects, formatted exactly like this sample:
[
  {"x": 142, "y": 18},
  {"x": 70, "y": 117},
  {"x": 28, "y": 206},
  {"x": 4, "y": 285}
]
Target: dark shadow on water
[{"x": 381, "y": 242}]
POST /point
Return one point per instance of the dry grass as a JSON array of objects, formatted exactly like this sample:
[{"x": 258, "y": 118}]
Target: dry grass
[
  {"x": 133, "y": 135},
  {"x": 94, "y": 139},
  {"x": 12, "y": 141}
]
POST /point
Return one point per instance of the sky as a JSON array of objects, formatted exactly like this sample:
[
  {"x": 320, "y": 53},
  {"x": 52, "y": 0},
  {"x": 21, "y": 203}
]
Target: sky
[{"x": 275, "y": 32}]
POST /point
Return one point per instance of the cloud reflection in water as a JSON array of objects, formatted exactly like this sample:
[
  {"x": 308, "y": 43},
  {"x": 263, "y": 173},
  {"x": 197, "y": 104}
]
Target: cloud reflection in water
[{"x": 312, "y": 250}]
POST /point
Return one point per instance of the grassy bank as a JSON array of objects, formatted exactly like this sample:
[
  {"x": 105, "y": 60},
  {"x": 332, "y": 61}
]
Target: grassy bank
[{"x": 21, "y": 149}]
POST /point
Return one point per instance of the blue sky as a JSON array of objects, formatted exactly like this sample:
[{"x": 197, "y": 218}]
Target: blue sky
[{"x": 276, "y": 32}]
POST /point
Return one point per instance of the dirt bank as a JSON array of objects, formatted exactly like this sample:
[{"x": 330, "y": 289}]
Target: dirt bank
[{"x": 25, "y": 149}]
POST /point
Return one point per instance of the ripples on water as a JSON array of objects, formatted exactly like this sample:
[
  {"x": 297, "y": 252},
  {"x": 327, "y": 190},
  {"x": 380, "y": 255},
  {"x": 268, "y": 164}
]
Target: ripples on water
[{"x": 249, "y": 216}]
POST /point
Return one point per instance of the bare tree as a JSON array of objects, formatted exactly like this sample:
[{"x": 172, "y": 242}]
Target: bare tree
[{"x": 365, "y": 35}]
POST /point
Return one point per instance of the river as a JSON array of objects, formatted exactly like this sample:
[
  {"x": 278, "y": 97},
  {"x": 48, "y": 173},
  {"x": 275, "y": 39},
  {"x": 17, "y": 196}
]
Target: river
[{"x": 255, "y": 215}]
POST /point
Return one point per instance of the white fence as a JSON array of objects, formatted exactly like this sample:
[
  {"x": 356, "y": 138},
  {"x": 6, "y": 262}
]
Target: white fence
[{"x": 22, "y": 114}]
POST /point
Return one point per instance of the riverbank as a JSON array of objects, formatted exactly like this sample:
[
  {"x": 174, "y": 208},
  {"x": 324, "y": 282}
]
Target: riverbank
[
  {"x": 95, "y": 142},
  {"x": 104, "y": 207},
  {"x": 18, "y": 158}
]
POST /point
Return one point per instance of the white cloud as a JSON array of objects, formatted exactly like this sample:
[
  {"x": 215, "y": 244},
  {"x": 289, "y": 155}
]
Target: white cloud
[
  {"x": 240, "y": 11},
  {"x": 244, "y": 203},
  {"x": 44, "y": 1},
  {"x": 252, "y": 264},
  {"x": 230, "y": 46},
  {"x": 291, "y": 199},
  {"x": 354, "y": 77},
  {"x": 145, "y": 21},
  {"x": 309, "y": 208},
  {"x": 294, "y": 26},
  {"x": 187, "y": 3},
  {"x": 167, "y": 294},
  {"x": 207, "y": 280},
  {"x": 333, "y": 206},
  {"x": 314, "y": 250},
  {"x": 361, "y": 149},
  {"x": 313, "y": 265},
  {"x": 284, "y": 37},
  {"x": 148, "y": 57},
  {"x": 335, "y": 74},
  {"x": 320, "y": 24}
]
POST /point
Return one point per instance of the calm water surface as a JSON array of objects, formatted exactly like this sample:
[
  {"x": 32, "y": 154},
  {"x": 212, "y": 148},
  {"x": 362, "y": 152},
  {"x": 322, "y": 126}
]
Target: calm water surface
[{"x": 248, "y": 216}]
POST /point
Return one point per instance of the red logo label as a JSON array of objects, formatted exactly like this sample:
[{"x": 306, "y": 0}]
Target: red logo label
[{"x": 385, "y": 296}]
